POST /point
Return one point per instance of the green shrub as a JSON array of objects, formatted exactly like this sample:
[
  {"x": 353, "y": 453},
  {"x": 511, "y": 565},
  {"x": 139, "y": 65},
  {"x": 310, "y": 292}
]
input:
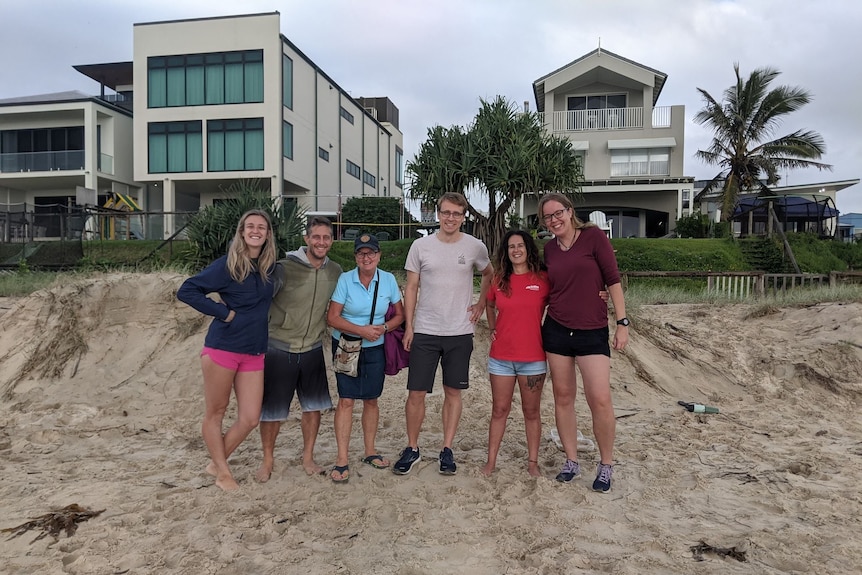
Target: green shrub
[
  {"x": 211, "y": 229},
  {"x": 694, "y": 226},
  {"x": 814, "y": 255},
  {"x": 849, "y": 253}
]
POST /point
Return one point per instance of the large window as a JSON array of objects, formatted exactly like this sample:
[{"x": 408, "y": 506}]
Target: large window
[
  {"x": 235, "y": 145},
  {"x": 174, "y": 147},
  {"x": 599, "y": 102},
  {"x": 42, "y": 149},
  {"x": 399, "y": 167},
  {"x": 286, "y": 81},
  {"x": 198, "y": 79},
  {"x": 287, "y": 139},
  {"x": 591, "y": 112},
  {"x": 640, "y": 162}
]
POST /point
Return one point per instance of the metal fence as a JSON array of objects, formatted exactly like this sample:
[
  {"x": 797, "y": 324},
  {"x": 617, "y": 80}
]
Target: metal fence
[{"x": 23, "y": 223}]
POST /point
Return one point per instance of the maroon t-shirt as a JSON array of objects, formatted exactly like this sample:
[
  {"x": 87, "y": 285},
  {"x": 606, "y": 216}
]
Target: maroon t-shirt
[{"x": 577, "y": 276}]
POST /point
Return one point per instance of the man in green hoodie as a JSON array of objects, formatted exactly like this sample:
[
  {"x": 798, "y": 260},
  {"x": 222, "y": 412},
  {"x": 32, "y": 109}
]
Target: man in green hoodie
[{"x": 304, "y": 282}]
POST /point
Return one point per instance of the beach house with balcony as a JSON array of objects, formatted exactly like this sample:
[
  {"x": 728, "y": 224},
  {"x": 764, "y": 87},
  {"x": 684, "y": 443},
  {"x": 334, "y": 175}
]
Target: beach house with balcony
[
  {"x": 631, "y": 148},
  {"x": 50, "y": 146},
  {"x": 203, "y": 104}
]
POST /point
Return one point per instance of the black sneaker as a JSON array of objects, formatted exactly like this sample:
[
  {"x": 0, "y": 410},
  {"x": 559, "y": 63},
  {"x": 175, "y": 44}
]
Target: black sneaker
[
  {"x": 447, "y": 462},
  {"x": 602, "y": 484},
  {"x": 409, "y": 458},
  {"x": 571, "y": 469}
]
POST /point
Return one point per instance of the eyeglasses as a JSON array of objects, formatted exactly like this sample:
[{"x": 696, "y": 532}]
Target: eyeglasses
[
  {"x": 558, "y": 214},
  {"x": 448, "y": 214},
  {"x": 366, "y": 255}
]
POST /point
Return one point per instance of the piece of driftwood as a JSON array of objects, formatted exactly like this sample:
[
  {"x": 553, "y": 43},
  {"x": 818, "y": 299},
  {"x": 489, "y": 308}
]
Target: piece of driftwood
[
  {"x": 703, "y": 547},
  {"x": 65, "y": 519}
]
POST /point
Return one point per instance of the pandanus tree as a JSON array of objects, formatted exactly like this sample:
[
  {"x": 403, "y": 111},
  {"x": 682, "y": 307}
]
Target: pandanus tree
[
  {"x": 744, "y": 143},
  {"x": 504, "y": 154}
]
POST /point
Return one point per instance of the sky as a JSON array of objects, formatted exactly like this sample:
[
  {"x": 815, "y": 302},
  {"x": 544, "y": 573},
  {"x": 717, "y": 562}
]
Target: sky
[{"x": 435, "y": 59}]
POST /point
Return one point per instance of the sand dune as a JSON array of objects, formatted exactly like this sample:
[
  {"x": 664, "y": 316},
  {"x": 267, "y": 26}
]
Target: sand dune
[{"x": 100, "y": 405}]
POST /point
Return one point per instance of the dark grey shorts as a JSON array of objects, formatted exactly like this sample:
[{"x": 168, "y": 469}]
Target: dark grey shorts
[
  {"x": 286, "y": 374},
  {"x": 452, "y": 352}
]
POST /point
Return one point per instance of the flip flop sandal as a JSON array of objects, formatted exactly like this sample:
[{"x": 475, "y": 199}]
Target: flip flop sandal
[
  {"x": 376, "y": 461},
  {"x": 343, "y": 471}
]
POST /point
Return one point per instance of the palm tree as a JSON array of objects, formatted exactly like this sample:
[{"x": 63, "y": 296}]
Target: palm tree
[
  {"x": 502, "y": 155},
  {"x": 743, "y": 125}
]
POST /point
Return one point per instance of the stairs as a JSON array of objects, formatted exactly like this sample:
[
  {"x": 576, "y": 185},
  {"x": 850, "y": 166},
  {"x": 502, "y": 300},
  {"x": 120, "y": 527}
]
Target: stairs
[{"x": 765, "y": 255}]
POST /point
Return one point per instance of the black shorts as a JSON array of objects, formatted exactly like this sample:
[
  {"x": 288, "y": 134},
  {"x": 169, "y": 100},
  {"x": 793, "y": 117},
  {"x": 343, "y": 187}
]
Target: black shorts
[
  {"x": 286, "y": 374},
  {"x": 558, "y": 339},
  {"x": 451, "y": 351}
]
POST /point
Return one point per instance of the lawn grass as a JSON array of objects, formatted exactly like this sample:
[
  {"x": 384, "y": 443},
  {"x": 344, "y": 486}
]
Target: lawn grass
[{"x": 717, "y": 255}]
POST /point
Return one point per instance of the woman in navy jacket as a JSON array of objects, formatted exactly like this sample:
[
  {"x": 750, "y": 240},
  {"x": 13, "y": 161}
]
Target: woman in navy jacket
[{"x": 232, "y": 357}]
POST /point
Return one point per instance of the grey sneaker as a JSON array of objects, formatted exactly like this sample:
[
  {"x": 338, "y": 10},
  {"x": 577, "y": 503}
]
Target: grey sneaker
[
  {"x": 409, "y": 459},
  {"x": 602, "y": 484},
  {"x": 571, "y": 469},
  {"x": 447, "y": 462}
]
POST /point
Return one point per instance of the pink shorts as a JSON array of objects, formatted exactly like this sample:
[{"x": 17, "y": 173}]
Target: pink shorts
[{"x": 234, "y": 361}]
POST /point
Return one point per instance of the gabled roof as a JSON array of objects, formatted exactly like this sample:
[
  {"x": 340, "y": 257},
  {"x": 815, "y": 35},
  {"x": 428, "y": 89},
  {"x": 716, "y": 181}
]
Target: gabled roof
[{"x": 539, "y": 85}]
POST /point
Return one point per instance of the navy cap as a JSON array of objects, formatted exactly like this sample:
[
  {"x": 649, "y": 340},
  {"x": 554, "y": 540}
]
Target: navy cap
[{"x": 366, "y": 241}]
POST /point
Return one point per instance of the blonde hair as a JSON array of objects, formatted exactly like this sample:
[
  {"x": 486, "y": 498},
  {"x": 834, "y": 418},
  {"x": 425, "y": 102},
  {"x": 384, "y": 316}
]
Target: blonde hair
[
  {"x": 453, "y": 198},
  {"x": 567, "y": 204},
  {"x": 239, "y": 263}
]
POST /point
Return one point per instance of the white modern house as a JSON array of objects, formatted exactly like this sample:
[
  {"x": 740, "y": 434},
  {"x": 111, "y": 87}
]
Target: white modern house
[
  {"x": 632, "y": 149},
  {"x": 53, "y": 144},
  {"x": 203, "y": 104}
]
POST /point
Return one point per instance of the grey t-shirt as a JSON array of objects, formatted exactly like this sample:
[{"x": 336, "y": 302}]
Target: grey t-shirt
[{"x": 445, "y": 283}]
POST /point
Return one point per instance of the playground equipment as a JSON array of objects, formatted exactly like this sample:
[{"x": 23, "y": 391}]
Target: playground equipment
[{"x": 117, "y": 221}]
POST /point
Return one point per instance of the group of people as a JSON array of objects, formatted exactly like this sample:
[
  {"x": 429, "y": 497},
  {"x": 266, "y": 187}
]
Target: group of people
[{"x": 266, "y": 341}]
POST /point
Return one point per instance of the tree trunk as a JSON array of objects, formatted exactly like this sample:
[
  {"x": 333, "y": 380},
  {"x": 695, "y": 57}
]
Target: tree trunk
[{"x": 491, "y": 230}]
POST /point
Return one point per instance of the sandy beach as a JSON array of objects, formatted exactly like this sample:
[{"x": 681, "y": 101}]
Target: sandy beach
[{"x": 100, "y": 405}]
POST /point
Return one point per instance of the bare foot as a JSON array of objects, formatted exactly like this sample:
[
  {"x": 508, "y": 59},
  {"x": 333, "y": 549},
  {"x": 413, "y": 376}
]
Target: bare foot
[
  {"x": 311, "y": 468},
  {"x": 533, "y": 469},
  {"x": 211, "y": 469},
  {"x": 264, "y": 472},
  {"x": 227, "y": 483},
  {"x": 488, "y": 469}
]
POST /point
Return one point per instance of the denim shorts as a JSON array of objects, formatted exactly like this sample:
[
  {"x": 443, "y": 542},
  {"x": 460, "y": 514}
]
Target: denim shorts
[
  {"x": 515, "y": 368},
  {"x": 368, "y": 383}
]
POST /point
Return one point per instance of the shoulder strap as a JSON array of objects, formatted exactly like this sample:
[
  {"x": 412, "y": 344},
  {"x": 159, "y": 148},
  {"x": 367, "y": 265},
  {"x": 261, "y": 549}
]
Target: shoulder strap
[{"x": 374, "y": 300}]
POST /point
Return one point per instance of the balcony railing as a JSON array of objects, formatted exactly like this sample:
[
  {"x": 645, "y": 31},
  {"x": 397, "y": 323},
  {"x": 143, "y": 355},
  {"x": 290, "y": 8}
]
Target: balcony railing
[
  {"x": 42, "y": 161},
  {"x": 605, "y": 119},
  {"x": 106, "y": 164}
]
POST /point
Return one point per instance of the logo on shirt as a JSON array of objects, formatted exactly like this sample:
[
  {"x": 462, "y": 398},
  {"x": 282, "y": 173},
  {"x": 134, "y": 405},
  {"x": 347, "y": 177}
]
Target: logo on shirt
[
  {"x": 461, "y": 259},
  {"x": 533, "y": 287}
]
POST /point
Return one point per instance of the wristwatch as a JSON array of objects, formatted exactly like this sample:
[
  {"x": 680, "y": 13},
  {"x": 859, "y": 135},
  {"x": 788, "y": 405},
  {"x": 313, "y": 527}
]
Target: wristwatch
[{"x": 623, "y": 322}]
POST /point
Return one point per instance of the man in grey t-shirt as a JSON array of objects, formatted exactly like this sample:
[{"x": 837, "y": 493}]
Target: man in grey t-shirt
[{"x": 439, "y": 322}]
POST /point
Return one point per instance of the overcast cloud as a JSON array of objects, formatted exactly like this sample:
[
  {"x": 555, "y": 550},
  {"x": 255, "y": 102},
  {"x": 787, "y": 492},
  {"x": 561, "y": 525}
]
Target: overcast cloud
[{"x": 435, "y": 59}]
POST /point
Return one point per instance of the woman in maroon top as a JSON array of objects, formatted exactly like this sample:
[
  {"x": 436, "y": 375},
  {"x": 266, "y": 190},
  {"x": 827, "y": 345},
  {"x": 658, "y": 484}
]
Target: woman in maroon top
[{"x": 580, "y": 262}]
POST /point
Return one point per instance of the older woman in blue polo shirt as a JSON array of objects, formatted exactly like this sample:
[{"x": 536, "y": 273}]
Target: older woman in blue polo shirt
[{"x": 350, "y": 312}]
